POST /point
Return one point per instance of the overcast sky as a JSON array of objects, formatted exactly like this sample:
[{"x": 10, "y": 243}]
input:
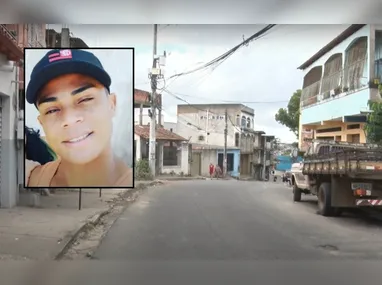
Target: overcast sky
[
  {"x": 121, "y": 76},
  {"x": 265, "y": 71}
]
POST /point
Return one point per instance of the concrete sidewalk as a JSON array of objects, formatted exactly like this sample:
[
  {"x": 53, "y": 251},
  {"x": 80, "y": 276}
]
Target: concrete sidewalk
[{"x": 42, "y": 233}]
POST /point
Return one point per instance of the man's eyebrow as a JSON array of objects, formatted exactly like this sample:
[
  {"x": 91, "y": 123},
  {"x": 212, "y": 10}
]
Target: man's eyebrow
[
  {"x": 74, "y": 92},
  {"x": 46, "y": 100},
  {"x": 82, "y": 88}
]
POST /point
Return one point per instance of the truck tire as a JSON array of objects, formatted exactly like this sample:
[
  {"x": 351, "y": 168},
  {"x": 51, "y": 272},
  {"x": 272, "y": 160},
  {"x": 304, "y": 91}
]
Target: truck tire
[
  {"x": 296, "y": 193},
  {"x": 324, "y": 201}
]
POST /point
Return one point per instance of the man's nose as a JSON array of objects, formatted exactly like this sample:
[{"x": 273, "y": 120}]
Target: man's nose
[{"x": 71, "y": 116}]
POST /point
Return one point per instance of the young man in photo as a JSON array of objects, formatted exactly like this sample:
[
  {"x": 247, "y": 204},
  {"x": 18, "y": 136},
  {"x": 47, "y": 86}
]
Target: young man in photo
[{"x": 71, "y": 91}]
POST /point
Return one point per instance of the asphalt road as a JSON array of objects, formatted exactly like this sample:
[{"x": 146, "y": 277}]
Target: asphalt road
[
  {"x": 235, "y": 221},
  {"x": 221, "y": 232}
]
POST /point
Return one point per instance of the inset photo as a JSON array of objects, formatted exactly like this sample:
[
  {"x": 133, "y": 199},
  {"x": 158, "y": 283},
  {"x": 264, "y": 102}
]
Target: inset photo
[{"x": 79, "y": 127}]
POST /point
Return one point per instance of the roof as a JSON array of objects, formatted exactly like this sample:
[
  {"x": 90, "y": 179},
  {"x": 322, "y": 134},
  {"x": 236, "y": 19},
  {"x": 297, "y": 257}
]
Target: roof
[
  {"x": 340, "y": 38},
  {"x": 161, "y": 133},
  {"x": 143, "y": 97}
]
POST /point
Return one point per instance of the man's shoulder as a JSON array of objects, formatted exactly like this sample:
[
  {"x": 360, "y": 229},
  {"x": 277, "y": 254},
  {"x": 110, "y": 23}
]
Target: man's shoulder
[
  {"x": 127, "y": 179},
  {"x": 39, "y": 170}
]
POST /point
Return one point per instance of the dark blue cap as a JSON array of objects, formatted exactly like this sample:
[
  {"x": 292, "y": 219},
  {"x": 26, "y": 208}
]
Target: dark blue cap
[{"x": 59, "y": 62}]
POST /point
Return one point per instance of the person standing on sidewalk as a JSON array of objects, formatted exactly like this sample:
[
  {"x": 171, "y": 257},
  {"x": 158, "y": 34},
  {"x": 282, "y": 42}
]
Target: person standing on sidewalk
[{"x": 212, "y": 169}]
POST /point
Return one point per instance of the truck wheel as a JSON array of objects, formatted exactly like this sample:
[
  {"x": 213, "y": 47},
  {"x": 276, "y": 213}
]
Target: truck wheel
[
  {"x": 296, "y": 193},
  {"x": 324, "y": 201}
]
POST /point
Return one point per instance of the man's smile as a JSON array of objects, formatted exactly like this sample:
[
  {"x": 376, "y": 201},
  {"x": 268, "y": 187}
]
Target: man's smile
[{"x": 78, "y": 139}]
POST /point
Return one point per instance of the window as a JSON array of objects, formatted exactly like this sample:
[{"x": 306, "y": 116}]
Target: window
[
  {"x": 237, "y": 139},
  {"x": 201, "y": 138},
  {"x": 22, "y": 99},
  {"x": 237, "y": 120},
  {"x": 170, "y": 155},
  {"x": 248, "y": 122},
  {"x": 243, "y": 121}
]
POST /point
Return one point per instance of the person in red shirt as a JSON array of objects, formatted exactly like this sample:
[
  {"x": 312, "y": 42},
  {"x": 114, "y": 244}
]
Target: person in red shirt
[{"x": 212, "y": 169}]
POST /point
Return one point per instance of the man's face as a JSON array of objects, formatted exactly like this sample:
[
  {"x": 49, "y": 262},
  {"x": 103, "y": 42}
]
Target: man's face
[{"x": 76, "y": 114}]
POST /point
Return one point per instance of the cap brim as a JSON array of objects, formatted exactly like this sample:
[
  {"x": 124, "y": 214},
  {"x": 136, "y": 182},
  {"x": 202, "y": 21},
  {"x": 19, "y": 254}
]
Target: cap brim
[{"x": 62, "y": 68}]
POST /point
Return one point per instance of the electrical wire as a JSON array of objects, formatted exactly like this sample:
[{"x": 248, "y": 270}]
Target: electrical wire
[
  {"x": 220, "y": 59},
  {"x": 227, "y": 54}
]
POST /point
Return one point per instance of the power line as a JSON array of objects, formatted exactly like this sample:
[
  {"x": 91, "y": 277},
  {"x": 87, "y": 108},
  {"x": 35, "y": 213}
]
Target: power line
[
  {"x": 220, "y": 59},
  {"x": 227, "y": 54}
]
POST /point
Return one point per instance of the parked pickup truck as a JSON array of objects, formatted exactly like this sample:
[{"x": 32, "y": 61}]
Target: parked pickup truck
[{"x": 342, "y": 175}]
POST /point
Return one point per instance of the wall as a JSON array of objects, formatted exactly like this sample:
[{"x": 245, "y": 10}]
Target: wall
[
  {"x": 8, "y": 158},
  {"x": 285, "y": 162},
  {"x": 354, "y": 102},
  {"x": 169, "y": 126},
  {"x": 343, "y": 133},
  {"x": 145, "y": 118},
  {"x": 184, "y": 166},
  {"x": 236, "y": 160},
  {"x": 208, "y": 156},
  {"x": 344, "y": 105},
  {"x": 340, "y": 48},
  {"x": 201, "y": 126},
  {"x": 192, "y": 122}
]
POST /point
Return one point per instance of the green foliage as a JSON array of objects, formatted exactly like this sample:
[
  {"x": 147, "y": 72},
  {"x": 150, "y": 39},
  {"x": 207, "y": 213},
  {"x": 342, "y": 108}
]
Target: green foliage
[
  {"x": 142, "y": 170},
  {"x": 373, "y": 127},
  {"x": 290, "y": 116}
]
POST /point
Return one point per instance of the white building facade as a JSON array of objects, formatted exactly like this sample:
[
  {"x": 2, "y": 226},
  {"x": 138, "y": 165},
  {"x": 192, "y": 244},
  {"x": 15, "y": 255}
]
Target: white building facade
[
  {"x": 204, "y": 125},
  {"x": 339, "y": 80},
  {"x": 11, "y": 149}
]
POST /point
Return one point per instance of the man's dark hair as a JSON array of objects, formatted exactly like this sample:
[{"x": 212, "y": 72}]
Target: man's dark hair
[{"x": 36, "y": 149}]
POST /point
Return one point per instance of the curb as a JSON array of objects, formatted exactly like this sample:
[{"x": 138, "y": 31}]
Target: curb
[
  {"x": 180, "y": 178},
  {"x": 95, "y": 219}
]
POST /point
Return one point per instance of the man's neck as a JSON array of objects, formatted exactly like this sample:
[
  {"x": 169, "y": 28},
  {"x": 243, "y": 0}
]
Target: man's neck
[{"x": 103, "y": 171}]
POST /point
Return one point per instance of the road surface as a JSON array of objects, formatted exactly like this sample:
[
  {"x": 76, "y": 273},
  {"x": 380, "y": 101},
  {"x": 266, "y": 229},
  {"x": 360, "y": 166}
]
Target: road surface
[
  {"x": 222, "y": 232},
  {"x": 231, "y": 221}
]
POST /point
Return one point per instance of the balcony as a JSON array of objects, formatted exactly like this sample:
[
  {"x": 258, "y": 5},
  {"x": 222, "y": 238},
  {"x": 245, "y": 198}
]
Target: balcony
[
  {"x": 8, "y": 45},
  {"x": 344, "y": 82}
]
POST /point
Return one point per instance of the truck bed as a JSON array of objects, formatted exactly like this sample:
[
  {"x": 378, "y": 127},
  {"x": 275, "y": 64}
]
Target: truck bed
[{"x": 346, "y": 161}]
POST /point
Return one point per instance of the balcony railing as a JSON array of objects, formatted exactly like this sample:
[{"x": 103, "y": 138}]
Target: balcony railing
[{"x": 346, "y": 80}]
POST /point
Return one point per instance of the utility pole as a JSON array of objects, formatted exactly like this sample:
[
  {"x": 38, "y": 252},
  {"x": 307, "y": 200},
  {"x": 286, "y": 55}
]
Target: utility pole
[
  {"x": 225, "y": 144},
  {"x": 153, "y": 77}
]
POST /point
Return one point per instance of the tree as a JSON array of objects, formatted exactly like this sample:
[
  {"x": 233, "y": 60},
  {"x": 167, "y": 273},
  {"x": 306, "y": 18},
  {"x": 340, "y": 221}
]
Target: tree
[
  {"x": 290, "y": 116},
  {"x": 373, "y": 127}
]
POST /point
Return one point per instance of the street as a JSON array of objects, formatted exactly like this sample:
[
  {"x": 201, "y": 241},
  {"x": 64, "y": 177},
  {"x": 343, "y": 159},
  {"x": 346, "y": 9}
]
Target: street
[
  {"x": 222, "y": 232},
  {"x": 234, "y": 220}
]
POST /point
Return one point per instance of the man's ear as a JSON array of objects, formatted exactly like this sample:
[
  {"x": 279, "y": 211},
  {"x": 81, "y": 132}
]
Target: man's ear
[
  {"x": 39, "y": 120},
  {"x": 113, "y": 102}
]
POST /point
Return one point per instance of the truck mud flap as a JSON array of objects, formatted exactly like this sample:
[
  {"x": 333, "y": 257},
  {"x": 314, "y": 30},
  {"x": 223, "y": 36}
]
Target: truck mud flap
[{"x": 368, "y": 202}]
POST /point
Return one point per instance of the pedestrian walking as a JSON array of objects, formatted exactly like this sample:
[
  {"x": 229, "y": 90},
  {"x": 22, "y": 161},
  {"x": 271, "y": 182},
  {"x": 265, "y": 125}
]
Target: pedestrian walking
[{"x": 212, "y": 170}]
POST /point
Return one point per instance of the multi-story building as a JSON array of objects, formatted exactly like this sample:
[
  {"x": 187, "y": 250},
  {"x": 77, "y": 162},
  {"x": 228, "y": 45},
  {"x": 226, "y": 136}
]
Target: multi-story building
[
  {"x": 13, "y": 38},
  {"x": 339, "y": 81},
  {"x": 204, "y": 125}
]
